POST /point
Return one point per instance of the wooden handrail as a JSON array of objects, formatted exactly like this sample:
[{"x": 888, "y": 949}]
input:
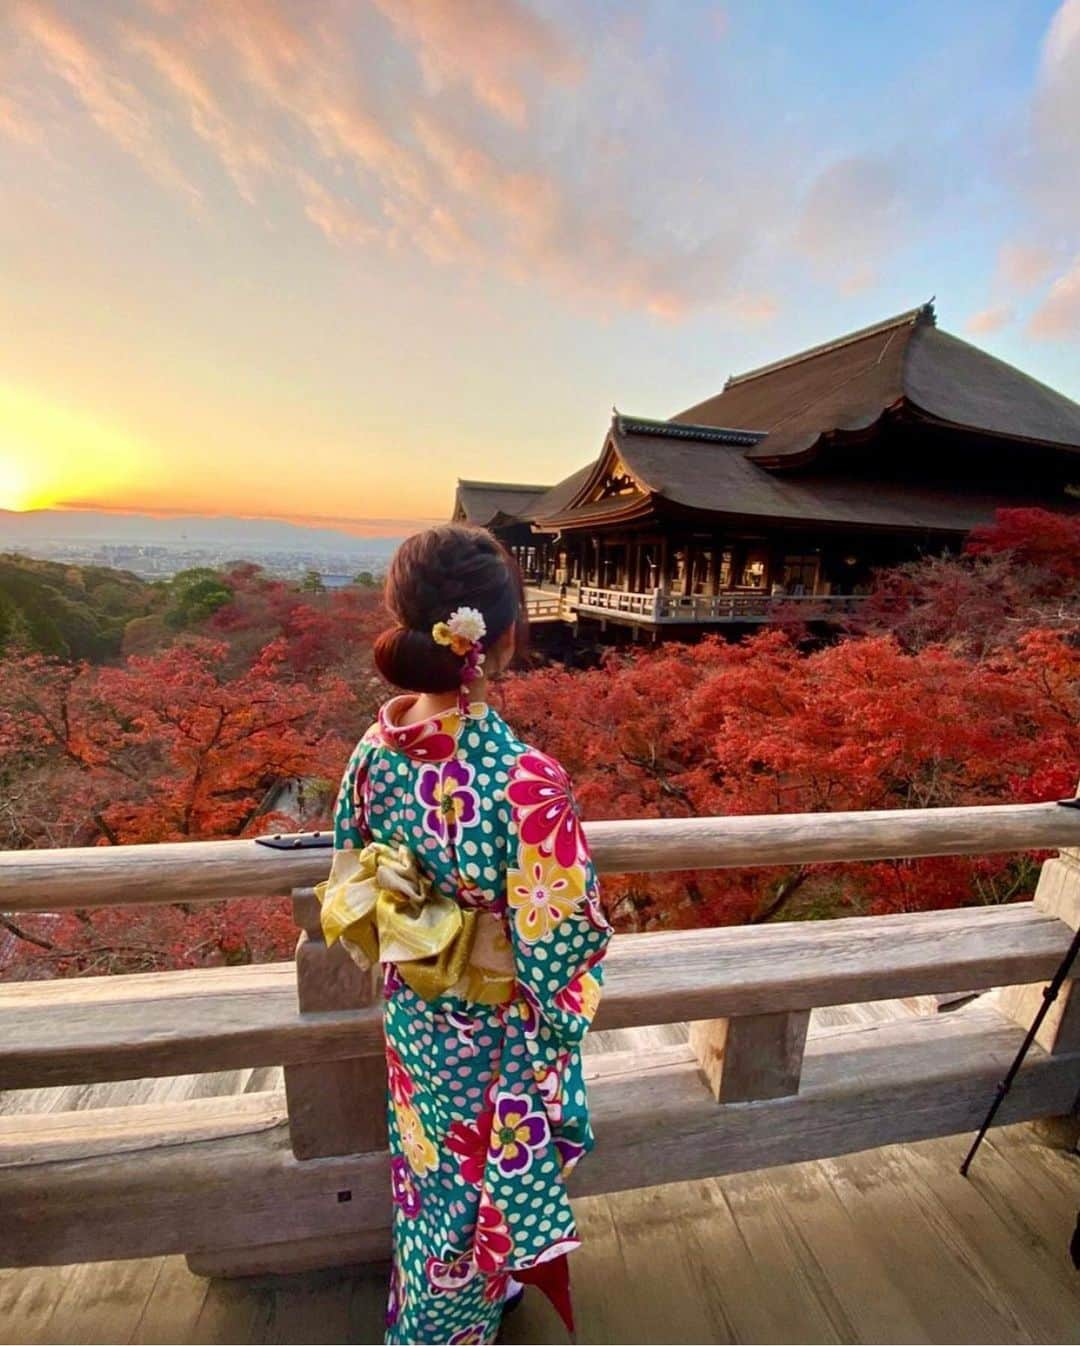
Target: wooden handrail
[{"x": 52, "y": 880}]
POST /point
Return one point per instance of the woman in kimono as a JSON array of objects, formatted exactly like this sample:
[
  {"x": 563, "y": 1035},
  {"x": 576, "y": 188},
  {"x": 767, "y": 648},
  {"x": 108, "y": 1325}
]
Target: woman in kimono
[{"x": 460, "y": 864}]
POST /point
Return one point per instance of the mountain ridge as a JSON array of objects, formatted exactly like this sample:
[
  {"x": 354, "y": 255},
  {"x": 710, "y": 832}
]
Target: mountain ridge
[{"x": 53, "y": 525}]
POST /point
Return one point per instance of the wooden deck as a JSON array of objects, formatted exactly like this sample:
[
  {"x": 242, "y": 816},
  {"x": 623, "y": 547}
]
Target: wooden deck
[
  {"x": 887, "y": 1246},
  {"x": 890, "y": 1245}
]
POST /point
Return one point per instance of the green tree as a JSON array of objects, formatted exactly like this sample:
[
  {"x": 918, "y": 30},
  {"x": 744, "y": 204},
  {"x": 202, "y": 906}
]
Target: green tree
[{"x": 195, "y": 595}]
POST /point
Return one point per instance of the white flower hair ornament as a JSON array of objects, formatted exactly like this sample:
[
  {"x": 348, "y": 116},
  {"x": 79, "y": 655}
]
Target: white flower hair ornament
[{"x": 463, "y": 632}]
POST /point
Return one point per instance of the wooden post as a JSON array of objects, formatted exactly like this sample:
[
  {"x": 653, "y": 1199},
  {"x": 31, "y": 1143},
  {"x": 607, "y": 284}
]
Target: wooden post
[
  {"x": 755, "y": 1056},
  {"x": 1058, "y": 894},
  {"x": 335, "y": 1107}
]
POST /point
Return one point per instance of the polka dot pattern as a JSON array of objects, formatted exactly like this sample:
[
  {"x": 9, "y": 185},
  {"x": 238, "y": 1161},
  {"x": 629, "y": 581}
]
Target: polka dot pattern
[{"x": 488, "y": 1107}]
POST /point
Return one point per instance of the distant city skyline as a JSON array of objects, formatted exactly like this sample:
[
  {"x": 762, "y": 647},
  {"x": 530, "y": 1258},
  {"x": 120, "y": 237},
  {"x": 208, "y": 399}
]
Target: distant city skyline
[{"x": 312, "y": 261}]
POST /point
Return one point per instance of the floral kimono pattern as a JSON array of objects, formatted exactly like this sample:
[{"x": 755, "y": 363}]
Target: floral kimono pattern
[{"x": 487, "y": 1106}]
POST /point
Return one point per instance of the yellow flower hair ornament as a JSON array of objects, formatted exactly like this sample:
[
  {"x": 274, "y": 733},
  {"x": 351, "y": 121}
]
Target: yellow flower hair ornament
[{"x": 463, "y": 632}]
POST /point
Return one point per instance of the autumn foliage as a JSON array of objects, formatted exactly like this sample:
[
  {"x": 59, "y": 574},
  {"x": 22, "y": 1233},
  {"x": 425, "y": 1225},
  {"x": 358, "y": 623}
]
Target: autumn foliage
[
  {"x": 761, "y": 727},
  {"x": 960, "y": 684},
  {"x": 189, "y": 741}
]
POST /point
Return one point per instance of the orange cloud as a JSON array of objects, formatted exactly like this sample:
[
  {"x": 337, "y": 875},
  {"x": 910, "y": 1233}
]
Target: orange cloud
[
  {"x": 241, "y": 154},
  {"x": 493, "y": 46},
  {"x": 15, "y": 122},
  {"x": 114, "y": 105},
  {"x": 290, "y": 104},
  {"x": 1023, "y": 266},
  {"x": 339, "y": 221},
  {"x": 1059, "y": 313},
  {"x": 989, "y": 320}
]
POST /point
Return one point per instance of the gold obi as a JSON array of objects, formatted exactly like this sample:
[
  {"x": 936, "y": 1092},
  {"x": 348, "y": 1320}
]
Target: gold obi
[{"x": 384, "y": 910}]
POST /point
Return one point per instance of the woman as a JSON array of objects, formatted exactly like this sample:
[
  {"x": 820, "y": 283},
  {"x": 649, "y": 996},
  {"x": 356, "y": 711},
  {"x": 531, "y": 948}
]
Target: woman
[{"x": 461, "y": 865}]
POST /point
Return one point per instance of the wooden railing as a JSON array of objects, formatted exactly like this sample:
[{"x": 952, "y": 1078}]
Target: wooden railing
[
  {"x": 278, "y": 1181},
  {"x": 645, "y": 605},
  {"x": 751, "y": 607},
  {"x": 544, "y": 607},
  {"x": 658, "y": 606}
]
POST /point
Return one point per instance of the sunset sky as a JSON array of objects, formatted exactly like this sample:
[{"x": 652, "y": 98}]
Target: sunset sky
[{"x": 318, "y": 259}]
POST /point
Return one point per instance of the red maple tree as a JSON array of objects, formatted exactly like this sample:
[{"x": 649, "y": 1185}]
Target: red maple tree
[{"x": 166, "y": 747}]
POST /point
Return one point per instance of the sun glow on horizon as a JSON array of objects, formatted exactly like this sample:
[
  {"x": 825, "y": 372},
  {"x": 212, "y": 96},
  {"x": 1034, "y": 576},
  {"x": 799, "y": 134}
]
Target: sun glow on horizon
[
  {"x": 50, "y": 454},
  {"x": 16, "y": 492}
]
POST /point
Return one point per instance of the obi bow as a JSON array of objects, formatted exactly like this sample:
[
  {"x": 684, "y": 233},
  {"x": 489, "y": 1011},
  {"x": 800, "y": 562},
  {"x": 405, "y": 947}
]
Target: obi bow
[{"x": 382, "y": 909}]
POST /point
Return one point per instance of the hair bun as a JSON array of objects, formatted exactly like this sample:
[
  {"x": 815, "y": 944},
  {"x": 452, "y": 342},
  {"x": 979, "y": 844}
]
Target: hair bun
[
  {"x": 431, "y": 574},
  {"x": 411, "y": 660}
]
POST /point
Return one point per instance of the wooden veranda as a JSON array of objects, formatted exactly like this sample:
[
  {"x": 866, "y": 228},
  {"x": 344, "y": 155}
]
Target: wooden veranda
[{"x": 779, "y": 1124}]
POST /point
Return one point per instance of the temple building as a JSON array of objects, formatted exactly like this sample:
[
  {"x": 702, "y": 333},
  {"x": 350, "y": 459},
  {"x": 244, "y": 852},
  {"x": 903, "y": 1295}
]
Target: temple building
[{"x": 791, "y": 485}]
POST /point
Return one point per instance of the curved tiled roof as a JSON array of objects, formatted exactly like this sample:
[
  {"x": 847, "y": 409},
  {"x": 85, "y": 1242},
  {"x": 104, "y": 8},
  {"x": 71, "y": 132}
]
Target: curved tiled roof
[
  {"x": 560, "y": 495},
  {"x": 482, "y": 502},
  {"x": 709, "y": 478},
  {"x": 848, "y": 384},
  {"x": 735, "y": 454},
  {"x": 953, "y": 381}
]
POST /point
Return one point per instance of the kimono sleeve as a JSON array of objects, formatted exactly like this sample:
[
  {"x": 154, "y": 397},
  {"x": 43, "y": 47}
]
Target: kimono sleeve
[
  {"x": 350, "y": 824},
  {"x": 557, "y": 926}
]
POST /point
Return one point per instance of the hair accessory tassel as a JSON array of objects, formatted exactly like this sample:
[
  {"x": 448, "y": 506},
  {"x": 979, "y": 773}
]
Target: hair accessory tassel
[{"x": 463, "y": 632}]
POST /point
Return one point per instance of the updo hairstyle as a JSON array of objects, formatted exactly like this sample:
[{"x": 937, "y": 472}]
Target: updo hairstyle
[{"x": 431, "y": 575}]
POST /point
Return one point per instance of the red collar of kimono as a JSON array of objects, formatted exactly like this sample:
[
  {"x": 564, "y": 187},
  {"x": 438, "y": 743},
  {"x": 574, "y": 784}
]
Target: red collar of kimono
[{"x": 432, "y": 740}]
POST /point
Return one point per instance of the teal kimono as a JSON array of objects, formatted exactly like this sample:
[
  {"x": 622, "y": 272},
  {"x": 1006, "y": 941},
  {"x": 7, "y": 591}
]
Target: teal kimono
[{"x": 487, "y": 1106}]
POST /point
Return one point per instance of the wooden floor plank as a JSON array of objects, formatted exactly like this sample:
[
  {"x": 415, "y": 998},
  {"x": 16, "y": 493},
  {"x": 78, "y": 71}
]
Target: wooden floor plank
[
  {"x": 28, "y": 1300},
  {"x": 314, "y": 1309},
  {"x": 647, "y": 1225},
  {"x": 1038, "y": 1201},
  {"x": 786, "y": 1285},
  {"x": 1043, "y": 1299},
  {"x": 852, "y": 1267},
  {"x": 367, "y": 1308},
  {"x": 173, "y": 1306},
  {"x": 949, "y": 1294},
  {"x": 102, "y": 1302},
  {"x": 233, "y": 1313}
]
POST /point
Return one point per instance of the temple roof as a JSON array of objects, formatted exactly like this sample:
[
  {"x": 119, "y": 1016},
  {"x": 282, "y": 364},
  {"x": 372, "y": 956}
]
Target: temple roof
[
  {"x": 848, "y": 384},
  {"x": 703, "y": 476},
  {"x": 793, "y": 441},
  {"x": 487, "y": 502}
]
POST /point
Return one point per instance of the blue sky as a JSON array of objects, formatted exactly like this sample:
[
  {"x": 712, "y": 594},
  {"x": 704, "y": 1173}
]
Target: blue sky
[{"x": 317, "y": 259}]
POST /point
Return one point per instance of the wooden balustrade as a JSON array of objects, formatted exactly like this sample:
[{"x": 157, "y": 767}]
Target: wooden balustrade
[
  {"x": 282, "y": 1181},
  {"x": 660, "y": 606}
]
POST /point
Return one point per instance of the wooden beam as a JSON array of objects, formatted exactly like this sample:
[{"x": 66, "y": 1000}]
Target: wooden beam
[
  {"x": 755, "y": 1056},
  {"x": 112, "y": 1028},
  {"x": 99, "y": 1133},
  {"x": 92, "y": 1029},
  {"x": 862, "y": 1087},
  {"x": 172, "y": 871},
  {"x": 294, "y": 1256}
]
